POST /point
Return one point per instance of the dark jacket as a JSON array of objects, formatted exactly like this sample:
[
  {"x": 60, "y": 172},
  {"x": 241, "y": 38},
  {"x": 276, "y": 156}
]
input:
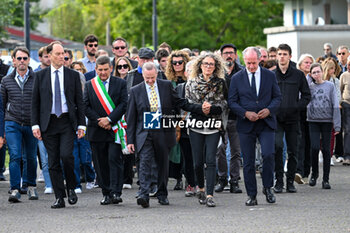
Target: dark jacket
[
  {"x": 17, "y": 102},
  {"x": 42, "y": 98},
  {"x": 95, "y": 110},
  {"x": 236, "y": 68},
  {"x": 241, "y": 99},
  {"x": 3, "y": 69},
  {"x": 295, "y": 94}
]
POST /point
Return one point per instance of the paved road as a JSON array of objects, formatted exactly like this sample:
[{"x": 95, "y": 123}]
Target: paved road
[{"x": 312, "y": 209}]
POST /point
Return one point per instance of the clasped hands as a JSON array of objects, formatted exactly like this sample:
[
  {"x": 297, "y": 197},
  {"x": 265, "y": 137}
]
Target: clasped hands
[
  {"x": 252, "y": 116},
  {"x": 103, "y": 122},
  {"x": 206, "y": 107}
]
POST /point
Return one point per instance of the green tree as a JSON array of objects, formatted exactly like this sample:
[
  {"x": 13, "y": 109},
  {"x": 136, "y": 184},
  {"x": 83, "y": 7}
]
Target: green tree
[
  {"x": 5, "y": 18},
  {"x": 203, "y": 24}
]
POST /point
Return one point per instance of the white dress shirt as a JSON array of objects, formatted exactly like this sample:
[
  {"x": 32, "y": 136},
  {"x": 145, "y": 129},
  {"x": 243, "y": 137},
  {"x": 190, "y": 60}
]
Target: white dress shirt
[
  {"x": 148, "y": 89},
  {"x": 63, "y": 97},
  {"x": 257, "y": 79}
]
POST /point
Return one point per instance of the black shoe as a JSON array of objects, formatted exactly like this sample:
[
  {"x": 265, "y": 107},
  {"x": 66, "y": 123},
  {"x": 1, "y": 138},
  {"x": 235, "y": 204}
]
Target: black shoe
[
  {"x": 115, "y": 199},
  {"x": 105, "y": 200},
  {"x": 234, "y": 187},
  {"x": 59, "y": 203},
  {"x": 202, "y": 198},
  {"x": 251, "y": 201},
  {"x": 221, "y": 184},
  {"x": 24, "y": 189},
  {"x": 163, "y": 200},
  {"x": 290, "y": 187},
  {"x": 312, "y": 181},
  {"x": 72, "y": 197},
  {"x": 278, "y": 187},
  {"x": 326, "y": 185},
  {"x": 143, "y": 202},
  {"x": 270, "y": 198},
  {"x": 179, "y": 185}
]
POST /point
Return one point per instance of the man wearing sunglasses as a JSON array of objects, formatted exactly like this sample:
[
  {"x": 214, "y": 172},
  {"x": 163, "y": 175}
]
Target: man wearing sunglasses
[
  {"x": 343, "y": 54},
  {"x": 91, "y": 47},
  {"x": 119, "y": 49},
  {"x": 16, "y": 90}
]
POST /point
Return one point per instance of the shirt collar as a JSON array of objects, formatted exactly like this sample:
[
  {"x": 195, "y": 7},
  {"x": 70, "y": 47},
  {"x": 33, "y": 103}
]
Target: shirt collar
[
  {"x": 60, "y": 70},
  {"x": 26, "y": 74},
  {"x": 257, "y": 72},
  {"x": 148, "y": 87},
  {"x": 107, "y": 81}
]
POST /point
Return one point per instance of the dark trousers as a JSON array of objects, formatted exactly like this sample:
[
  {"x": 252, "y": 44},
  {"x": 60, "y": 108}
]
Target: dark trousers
[
  {"x": 129, "y": 161},
  {"x": 304, "y": 157},
  {"x": 290, "y": 130},
  {"x": 108, "y": 158},
  {"x": 204, "y": 148},
  {"x": 235, "y": 160},
  {"x": 153, "y": 148},
  {"x": 346, "y": 129},
  {"x": 266, "y": 137},
  {"x": 59, "y": 142},
  {"x": 321, "y": 130},
  {"x": 188, "y": 160},
  {"x": 2, "y": 159}
]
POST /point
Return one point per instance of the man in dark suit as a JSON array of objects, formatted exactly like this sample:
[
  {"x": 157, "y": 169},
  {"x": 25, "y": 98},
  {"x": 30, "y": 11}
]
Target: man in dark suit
[
  {"x": 157, "y": 96},
  {"x": 254, "y": 97},
  {"x": 107, "y": 154},
  {"x": 57, "y": 114}
]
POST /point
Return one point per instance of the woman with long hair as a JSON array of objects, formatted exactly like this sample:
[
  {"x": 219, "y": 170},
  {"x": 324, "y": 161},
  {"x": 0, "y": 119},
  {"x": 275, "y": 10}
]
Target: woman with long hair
[
  {"x": 175, "y": 72},
  {"x": 207, "y": 86},
  {"x": 323, "y": 114},
  {"x": 122, "y": 67}
]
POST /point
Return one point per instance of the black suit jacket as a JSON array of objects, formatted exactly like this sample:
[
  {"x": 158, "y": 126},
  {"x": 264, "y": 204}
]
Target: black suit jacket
[
  {"x": 42, "y": 98},
  {"x": 94, "y": 109},
  {"x": 139, "y": 103}
]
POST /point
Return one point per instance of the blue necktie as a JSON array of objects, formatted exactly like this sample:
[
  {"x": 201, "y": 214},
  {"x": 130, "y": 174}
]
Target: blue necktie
[
  {"x": 104, "y": 83},
  {"x": 58, "y": 104},
  {"x": 253, "y": 86}
]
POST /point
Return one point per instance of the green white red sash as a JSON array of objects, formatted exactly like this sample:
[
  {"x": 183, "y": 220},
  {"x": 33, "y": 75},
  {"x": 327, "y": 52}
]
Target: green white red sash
[{"x": 120, "y": 128}]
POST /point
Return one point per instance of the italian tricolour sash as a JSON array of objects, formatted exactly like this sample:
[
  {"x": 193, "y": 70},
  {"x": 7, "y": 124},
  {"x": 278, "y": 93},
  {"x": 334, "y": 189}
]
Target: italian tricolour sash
[{"x": 120, "y": 128}]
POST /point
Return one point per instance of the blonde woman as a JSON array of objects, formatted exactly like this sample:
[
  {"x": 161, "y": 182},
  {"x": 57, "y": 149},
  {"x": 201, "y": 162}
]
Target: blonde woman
[{"x": 206, "y": 86}]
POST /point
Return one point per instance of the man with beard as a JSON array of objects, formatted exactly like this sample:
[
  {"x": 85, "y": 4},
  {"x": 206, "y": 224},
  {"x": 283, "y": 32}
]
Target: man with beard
[
  {"x": 229, "y": 54},
  {"x": 91, "y": 47}
]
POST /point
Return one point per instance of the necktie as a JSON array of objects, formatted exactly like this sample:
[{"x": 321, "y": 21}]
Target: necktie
[
  {"x": 153, "y": 99},
  {"x": 104, "y": 83},
  {"x": 58, "y": 104},
  {"x": 253, "y": 85}
]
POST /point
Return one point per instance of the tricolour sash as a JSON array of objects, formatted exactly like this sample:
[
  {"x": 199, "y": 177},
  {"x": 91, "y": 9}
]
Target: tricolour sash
[{"x": 120, "y": 128}]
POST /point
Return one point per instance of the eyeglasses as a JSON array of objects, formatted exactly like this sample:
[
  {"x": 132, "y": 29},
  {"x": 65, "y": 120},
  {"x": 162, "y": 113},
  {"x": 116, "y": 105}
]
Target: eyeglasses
[
  {"x": 177, "y": 62},
  {"x": 316, "y": 72},
  {"x": 208, "y": 64},
  {"x": 20, "y": 58},
  {"x": 343, "y": 53},
  {"x": 229, "y": 53},
  {"x": 66, "y": 58},
  {"x": 121, "y": 47},
  {"x": 93, "y": 45},
  {"x": 125, "y": 66}
]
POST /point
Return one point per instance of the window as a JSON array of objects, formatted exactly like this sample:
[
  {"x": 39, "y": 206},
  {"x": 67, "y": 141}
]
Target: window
[{"x": 301, "y": 16}]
